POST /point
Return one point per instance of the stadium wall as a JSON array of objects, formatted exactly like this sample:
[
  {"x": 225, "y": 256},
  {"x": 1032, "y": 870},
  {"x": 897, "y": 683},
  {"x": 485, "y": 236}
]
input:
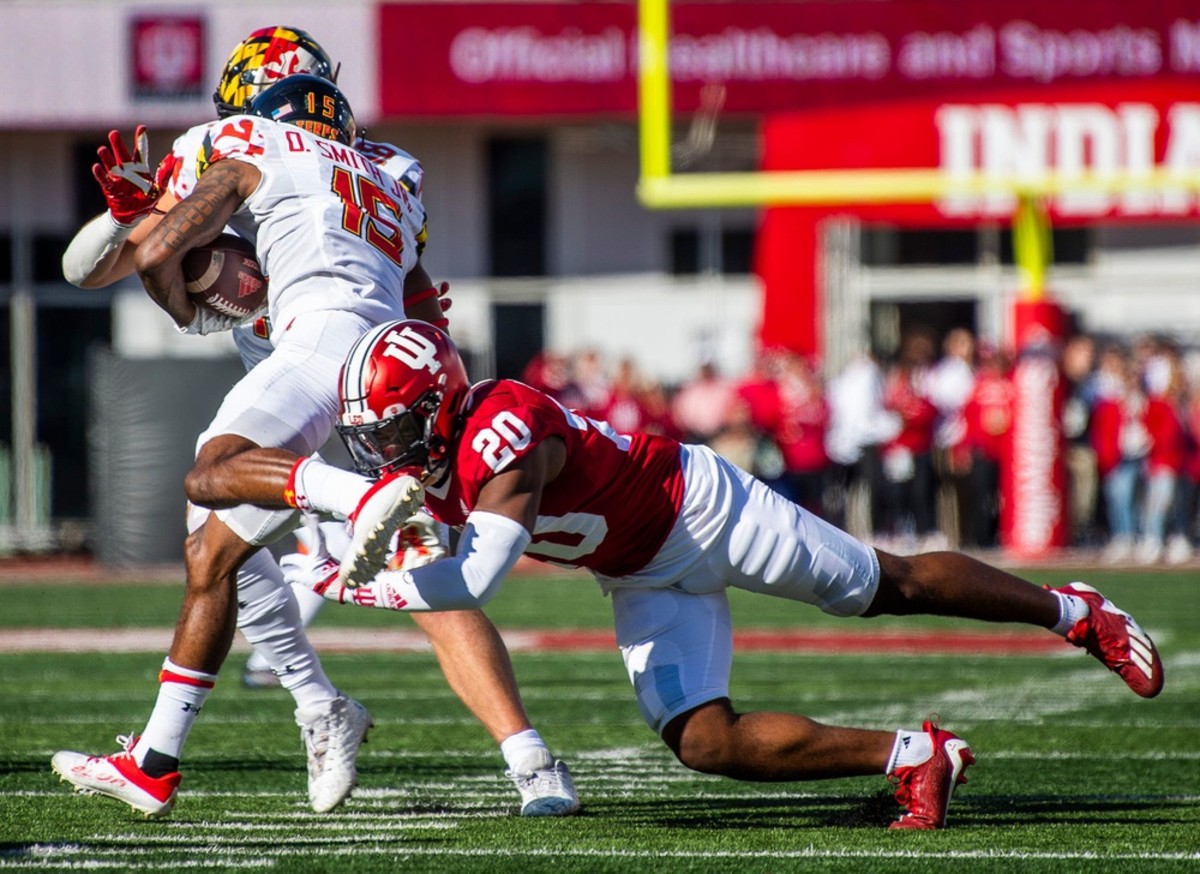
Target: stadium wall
[{"x": 141, "y": 441}]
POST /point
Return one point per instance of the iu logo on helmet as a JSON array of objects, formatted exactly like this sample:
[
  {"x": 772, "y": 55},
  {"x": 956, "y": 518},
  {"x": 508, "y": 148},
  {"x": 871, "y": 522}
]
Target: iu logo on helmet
[{"x": 412, "y": 349}]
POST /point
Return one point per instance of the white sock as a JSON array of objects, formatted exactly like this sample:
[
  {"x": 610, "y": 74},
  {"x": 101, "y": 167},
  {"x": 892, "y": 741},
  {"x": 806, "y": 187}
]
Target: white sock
[
  {"x": 911, "y": 748},
  {"x": 526, "y": 752},
  {"x": 1071, "y": 608},
  {"x": 328, "y": 489},
  {"x": 270, "y": 619},
  {"x": 181, "y": 694}
]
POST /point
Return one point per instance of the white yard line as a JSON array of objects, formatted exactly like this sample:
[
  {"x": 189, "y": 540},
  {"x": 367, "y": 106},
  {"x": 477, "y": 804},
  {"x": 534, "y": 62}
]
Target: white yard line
[{"x": 74, "y": 855}]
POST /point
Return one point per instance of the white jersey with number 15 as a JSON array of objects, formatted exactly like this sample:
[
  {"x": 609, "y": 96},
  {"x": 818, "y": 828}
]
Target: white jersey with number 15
[
  {"x": 253, "y": 340},
  {"x": 332, "y": 230}
]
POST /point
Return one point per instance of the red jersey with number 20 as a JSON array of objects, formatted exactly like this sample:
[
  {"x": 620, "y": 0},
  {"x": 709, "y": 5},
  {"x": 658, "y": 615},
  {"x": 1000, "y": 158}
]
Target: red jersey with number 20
[{"x": 610, "y": 508}]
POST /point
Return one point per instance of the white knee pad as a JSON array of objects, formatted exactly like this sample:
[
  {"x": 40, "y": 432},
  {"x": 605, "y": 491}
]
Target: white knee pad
[
  {"x": 256, "y": 526},
  {"x": 259, "y": 527}
]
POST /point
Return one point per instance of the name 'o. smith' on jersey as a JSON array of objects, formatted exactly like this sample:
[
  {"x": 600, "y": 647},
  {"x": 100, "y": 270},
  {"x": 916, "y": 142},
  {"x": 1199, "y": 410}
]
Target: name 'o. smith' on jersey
[
  {"x": 191, "y": 150},
  {"x": 332, "y": 230}
]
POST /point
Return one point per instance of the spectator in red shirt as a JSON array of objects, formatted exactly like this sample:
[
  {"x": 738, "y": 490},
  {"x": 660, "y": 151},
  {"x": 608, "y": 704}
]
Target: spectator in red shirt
[
  {"x": 625, "y": 410},
  {"x": 908, "y": 459},
  {"x": 591, "y": 379},
  {"x": 1166, "y": 457},
  {"x": 551, "y": 373},
  {"x": 656, "y": 404},
  {"x": 759, "y": 393},
  {"x": 1179, "y": 549},
  {"x": 803, "y": 419},
  {"x": 987, "y": 419},
  {"x": 1121, "y": 441}
]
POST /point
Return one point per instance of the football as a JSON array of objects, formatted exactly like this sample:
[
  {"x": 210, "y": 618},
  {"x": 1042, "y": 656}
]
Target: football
[{"x": 225, "y": 277}]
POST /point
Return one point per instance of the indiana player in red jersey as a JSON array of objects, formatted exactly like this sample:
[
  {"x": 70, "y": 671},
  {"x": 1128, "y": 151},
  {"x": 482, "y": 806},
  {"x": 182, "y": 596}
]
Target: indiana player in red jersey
[{"x": 665, "y": 528}]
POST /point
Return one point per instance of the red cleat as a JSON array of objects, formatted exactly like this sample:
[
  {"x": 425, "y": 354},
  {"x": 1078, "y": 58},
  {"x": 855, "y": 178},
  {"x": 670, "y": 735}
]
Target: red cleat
[
  {"x": 1115, "y": 638},
  {"x": 925, "y": 789},
  {"x": 118, "y": 776}
]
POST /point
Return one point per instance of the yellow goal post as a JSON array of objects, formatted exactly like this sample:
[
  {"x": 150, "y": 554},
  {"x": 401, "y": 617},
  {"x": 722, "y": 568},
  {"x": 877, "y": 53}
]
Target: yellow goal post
[{"x": 660, "y": 188}]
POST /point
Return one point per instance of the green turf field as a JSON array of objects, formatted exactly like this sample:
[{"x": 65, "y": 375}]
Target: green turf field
[{"x": 1075, "y": 773}]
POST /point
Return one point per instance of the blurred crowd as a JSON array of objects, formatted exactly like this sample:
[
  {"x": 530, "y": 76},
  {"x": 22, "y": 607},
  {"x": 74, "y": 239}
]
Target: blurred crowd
[{"x": 909, "y": 454}]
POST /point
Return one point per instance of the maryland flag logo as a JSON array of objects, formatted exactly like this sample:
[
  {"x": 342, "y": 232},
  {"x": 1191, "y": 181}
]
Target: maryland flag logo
[
  {"x": 240, "y": 132},
  {"x": 206, "y": 155},
  {"x": 265, "y": 57}
]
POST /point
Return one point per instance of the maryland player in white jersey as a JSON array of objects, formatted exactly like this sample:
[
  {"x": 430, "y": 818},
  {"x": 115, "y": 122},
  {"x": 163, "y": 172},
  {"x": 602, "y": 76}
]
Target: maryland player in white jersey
[
  {"x": 666, "y": 528},
  {"x": 317, "y": 537},
  {"x": 468, "y": 648},
  {"x": 191, "y": 151},
  {"x": 331, "y": 229}
]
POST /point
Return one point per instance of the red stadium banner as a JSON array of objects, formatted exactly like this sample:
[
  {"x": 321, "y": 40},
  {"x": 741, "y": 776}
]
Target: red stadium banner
[
  {"x": 534, "y": 59},
  {"x": 1102, "y": 129},
  {"x": 1115, "y": 128},
  {"x": 1034, "y": 519}
]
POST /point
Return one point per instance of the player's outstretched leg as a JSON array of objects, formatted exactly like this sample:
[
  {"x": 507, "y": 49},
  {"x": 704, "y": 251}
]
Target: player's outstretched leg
[
  {"x": 477, "y": 666},
  {"x": 925, "y": 764},
  {"x": 1117, "y": 640},
  {"x": 118, "y": 776},
  {"x": 953, "y": 584}
]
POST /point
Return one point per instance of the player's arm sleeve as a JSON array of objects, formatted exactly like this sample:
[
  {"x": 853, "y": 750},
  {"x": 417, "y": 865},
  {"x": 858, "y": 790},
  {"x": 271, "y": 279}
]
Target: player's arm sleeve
[
  {"x": 94, "y": 243},
  {"x": 489, "y": 547}
]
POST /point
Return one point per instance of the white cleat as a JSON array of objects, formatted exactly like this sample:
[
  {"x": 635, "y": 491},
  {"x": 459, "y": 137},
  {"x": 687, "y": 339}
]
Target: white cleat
[
  {"x": 118, "y": 776},
  {"x": 331, "y": 740},
  {"x": 382, "y": 510},
  {"x": 546, "y": 791}
]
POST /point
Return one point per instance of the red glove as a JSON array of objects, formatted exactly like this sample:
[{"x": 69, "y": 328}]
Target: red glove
[
  {"x": 441, "y": 290},
  {"x": 125, "y": 179},
  {"x": 166, "y": 169}
]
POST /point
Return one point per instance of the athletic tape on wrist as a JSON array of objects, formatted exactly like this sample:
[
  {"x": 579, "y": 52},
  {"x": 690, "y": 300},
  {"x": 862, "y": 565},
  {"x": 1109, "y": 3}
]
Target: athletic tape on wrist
[{"x": 292, "y": 495}]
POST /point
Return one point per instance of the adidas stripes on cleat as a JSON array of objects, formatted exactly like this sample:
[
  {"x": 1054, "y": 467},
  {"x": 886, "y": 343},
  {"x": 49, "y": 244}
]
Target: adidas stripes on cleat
[
  {"x": 925, "y": 789},
  {"x": 1115, "y": 638}
]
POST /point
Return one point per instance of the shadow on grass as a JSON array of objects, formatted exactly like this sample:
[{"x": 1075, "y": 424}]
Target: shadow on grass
[
  {"x": 1021, "y": 810},
  {"x": 740, "y": 814}
]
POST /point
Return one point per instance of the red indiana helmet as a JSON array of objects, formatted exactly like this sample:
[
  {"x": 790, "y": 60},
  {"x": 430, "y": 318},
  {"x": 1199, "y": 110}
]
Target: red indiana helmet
[{"x": 401, "y": 390}]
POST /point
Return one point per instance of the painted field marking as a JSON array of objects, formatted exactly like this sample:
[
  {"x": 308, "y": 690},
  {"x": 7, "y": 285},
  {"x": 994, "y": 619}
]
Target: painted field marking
[
  {"x": 348, "y": 640},
  {"x": 297, "y": 846}
]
